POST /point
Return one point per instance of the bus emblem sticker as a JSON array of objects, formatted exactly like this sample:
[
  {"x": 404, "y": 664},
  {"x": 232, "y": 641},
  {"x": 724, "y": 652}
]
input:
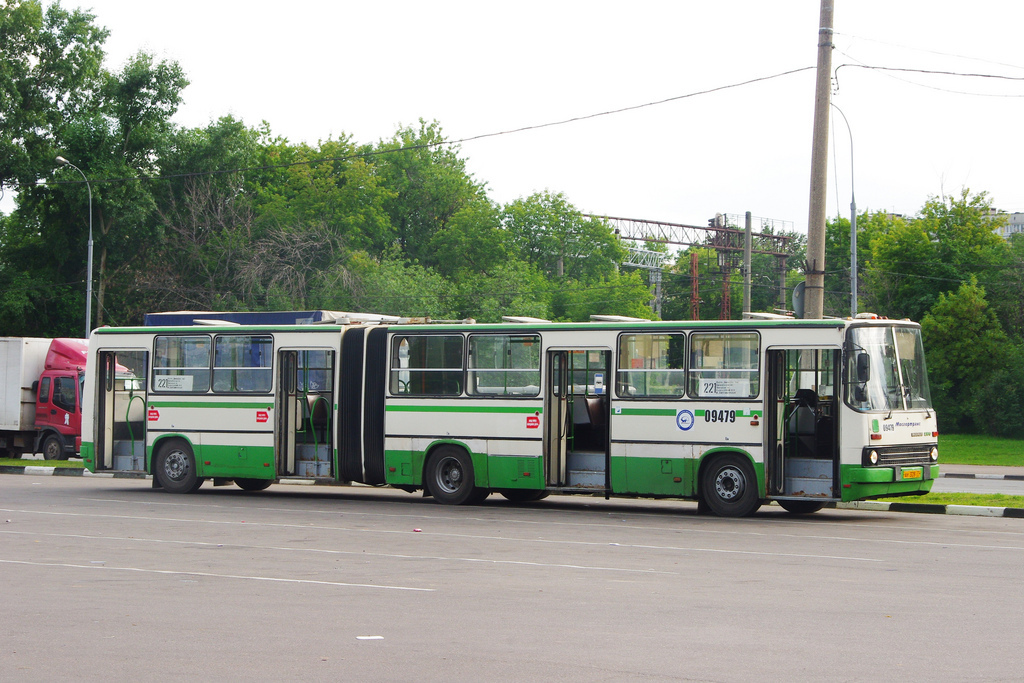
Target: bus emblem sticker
[{"x": 684, "y": 420}]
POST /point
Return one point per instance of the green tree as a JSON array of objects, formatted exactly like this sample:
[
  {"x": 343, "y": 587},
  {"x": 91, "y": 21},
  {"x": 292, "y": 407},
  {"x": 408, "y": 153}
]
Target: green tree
[
  {"x": 472, "y": 244},
  {"x": 510, "y": 288},
  {"x": 49, "y": 76},
  {"x": 616, "y": 294},
  {"x": 115, "y": 144},
  {"x": 551, "y": 234},
  {"x": 328, "y": 185},
  {"x": 965, "y": 345},
  {"x": 914, "y": 260},
  {"x": 391, "y": 285},
  {"x": 429, "y": 185}
]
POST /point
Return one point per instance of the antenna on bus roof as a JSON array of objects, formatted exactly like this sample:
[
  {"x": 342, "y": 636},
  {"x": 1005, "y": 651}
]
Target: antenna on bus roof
[
  {"x": 522, "y": 319},
  {"x": 617, "y": 319},
  {"x": 753, "y": 315}
]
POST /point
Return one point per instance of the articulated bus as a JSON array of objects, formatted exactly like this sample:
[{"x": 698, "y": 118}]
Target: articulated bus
[{"x": 732, "y": 414}]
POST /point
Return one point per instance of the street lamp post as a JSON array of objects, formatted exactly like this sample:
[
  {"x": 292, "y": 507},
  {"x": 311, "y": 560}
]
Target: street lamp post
[
  {"x": 853, "y": 225},
  {"x": 88, "y": 282}
]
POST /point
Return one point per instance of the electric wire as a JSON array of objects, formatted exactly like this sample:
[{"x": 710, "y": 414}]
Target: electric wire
[{"x": 441, "y": 143}]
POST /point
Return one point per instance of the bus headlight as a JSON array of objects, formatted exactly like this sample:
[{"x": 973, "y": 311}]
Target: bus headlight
[
  {"x": 873, "y": 457},
  {"x": 934, "y": 453}
]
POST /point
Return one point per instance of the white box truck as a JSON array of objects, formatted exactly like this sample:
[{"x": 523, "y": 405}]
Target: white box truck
[{"x": 40, "y": 396}]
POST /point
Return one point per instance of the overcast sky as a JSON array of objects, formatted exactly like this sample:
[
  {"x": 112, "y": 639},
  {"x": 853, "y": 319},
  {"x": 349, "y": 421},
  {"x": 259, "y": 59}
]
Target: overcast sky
[{"x": 314, "y": 69}]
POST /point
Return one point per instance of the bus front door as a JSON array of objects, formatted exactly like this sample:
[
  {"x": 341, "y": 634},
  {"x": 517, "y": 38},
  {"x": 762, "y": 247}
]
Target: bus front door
[
  {"x": 801, "y": 441},
  {"x": 121, "y": 411}
]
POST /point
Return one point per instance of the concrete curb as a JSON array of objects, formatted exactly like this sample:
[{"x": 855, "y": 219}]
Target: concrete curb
[
  {"x": 1008, "y": 477},
  {"x": 923, "y": 508},
  {"x": 44, "y": 471},
  {"x": 872, "y": 505}
]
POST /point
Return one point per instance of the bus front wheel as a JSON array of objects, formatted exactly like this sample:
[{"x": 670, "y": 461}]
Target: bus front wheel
[
  {"x": 729, "y": 486},
  {"x": 175, "y": 469},
  {"x": 450, "y": 476}
]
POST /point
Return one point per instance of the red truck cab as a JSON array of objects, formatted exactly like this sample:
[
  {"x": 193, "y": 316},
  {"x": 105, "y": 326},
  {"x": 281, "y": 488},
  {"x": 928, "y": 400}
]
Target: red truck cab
[{"x": 59, "y": 399}]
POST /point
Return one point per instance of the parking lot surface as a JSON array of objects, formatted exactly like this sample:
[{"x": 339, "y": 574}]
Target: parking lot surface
[{"x": 111, "y": 579}]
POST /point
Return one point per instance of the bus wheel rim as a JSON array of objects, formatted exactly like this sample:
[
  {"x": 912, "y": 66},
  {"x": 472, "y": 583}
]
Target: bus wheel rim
[
  {"x": 449, "y": 474},
  {"x": 176, "y": 465},
  {"x": 729, "y": 483}
]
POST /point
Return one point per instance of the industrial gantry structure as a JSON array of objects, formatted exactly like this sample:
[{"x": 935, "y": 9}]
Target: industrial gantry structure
[{"x": 720, "y": 234}]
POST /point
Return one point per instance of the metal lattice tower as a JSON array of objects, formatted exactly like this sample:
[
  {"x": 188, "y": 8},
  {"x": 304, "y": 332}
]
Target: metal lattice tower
[{"x": 719, "y": 235}]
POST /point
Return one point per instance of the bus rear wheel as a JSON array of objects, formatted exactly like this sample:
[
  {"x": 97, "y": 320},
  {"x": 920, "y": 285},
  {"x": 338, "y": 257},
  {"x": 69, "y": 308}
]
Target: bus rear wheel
[
  {"x": 729, "y": 486},
  {"x": 253, "y": 484},
  {"x": 450, "y": 476},
  {"x": 801, "y": 507},
  {"x": 175, "y": 469}
]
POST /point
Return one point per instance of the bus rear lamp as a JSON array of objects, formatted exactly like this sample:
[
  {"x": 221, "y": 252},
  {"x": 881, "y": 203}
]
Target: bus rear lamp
[
  {"x": 873, "y": 457},
  {"x": 934, "y": 452}
]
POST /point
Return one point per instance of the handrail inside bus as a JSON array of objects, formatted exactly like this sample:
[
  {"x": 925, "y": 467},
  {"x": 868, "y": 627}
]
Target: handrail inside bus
[{"x": 127, "y": 417}]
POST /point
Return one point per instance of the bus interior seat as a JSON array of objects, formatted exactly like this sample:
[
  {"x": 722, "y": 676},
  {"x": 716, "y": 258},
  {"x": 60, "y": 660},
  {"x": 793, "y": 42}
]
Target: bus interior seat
[
  {"x": 802, "y": 423},
  {"x": 595, "y": 410},
  {"x": 319, "y": 410}
]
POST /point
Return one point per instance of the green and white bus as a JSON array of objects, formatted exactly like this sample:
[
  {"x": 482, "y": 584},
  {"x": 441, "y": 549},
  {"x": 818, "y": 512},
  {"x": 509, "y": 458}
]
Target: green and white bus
[{"x": 732, "y": 414}]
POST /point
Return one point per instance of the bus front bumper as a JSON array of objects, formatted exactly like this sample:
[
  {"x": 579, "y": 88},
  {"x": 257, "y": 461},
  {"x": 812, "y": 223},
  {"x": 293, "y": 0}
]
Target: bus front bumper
[{"x": 860, "y": 483}]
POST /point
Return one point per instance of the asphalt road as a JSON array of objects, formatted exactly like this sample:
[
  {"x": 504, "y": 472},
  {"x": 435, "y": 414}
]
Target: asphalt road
[
  {"x": 107, "y": 579},
  {"x": 1008, "y": 487}
]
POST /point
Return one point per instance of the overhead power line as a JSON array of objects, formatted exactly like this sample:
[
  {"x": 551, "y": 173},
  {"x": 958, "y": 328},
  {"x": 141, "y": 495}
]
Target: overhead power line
[{"x": 471, "y": 138}]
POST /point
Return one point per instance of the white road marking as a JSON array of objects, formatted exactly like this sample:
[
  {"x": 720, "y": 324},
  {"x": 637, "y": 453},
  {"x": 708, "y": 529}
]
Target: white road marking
[
  {"x": 171, "y": 572},
  {"x": 331, "y": 551}
]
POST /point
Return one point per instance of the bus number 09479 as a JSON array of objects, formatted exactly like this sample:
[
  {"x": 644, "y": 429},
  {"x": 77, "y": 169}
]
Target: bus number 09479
[{"x": 719, "y": 415}]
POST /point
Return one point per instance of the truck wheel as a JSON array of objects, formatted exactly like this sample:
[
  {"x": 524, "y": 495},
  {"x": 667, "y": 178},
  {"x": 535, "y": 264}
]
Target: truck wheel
[
  {"x": 175, "y": 469},
  {"x": 53, "y": 448}
]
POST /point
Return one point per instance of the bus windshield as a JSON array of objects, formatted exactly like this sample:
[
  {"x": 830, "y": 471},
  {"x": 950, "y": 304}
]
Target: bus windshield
[{"x": 885, "y": 369}]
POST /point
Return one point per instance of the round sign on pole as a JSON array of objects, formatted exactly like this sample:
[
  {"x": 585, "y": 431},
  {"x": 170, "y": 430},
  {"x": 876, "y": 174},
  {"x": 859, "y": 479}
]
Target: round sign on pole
[{"x": 798, "y": 299}]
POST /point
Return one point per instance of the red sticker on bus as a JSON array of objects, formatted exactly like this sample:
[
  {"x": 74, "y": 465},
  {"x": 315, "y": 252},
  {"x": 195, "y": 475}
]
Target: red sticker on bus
[
  {"x": 154, "y": 415},
  {"x": 532, "y": 422},
  {"x": 262, "y": 416}
]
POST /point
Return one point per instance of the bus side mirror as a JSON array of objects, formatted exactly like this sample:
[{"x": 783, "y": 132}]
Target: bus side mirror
[{"x": 863, "y": 367}]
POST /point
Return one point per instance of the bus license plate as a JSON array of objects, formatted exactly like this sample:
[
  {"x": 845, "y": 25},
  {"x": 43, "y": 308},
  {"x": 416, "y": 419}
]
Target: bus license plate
[{"x": 912, "y": 474}]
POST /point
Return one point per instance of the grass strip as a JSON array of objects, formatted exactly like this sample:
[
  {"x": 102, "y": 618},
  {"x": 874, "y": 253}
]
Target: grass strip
[
  {"x": 978, "y": 449},
  {"x": 995, "y": 500},
  {"x": 24, "y": 462}
]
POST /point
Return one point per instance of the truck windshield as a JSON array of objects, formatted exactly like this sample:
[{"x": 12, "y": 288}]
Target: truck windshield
[{"x": 885, "y": 369}]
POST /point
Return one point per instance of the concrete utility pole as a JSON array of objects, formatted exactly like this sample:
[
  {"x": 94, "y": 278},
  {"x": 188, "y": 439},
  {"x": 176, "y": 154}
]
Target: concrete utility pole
[
  {"x": 747, "y": 248},
  {"x": 815, "y": 269}
]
